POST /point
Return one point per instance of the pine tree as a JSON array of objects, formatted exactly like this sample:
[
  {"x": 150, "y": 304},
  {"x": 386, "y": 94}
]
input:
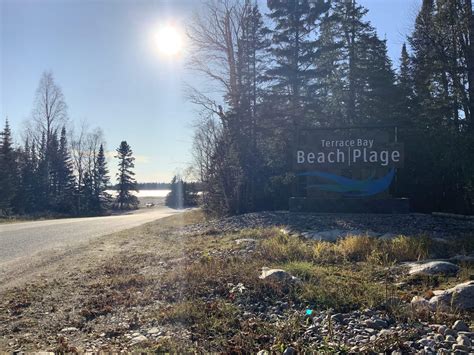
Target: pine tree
[
  {"x": 65, "y": 177},
  {"x": 8, "y": 171},
  {"x": 24, "y": 200},
  {"x": 126, "y": 181},
  {"x": 101, "y": 182},
  {"x": 41, "y": 179},
  {"x": 293, "y": 52},
  {"x": 352, "y": 68}
]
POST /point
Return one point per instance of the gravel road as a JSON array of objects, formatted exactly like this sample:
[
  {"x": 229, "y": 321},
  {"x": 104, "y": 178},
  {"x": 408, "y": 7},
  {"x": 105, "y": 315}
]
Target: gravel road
[{"x": 23, "y": 239}]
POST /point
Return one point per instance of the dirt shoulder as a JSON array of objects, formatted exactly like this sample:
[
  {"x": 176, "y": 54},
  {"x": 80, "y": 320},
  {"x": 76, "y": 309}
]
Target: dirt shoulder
[{"x": 183, "y": 284}]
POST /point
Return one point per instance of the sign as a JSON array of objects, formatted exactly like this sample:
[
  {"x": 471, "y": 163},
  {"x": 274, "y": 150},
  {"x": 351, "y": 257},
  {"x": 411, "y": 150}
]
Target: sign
[
  {"x": 348, "y": 162},
  {"x": 327, "y": 150}
]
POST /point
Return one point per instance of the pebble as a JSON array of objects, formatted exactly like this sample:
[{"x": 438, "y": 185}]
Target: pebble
[{"x": 289, "y": 351}]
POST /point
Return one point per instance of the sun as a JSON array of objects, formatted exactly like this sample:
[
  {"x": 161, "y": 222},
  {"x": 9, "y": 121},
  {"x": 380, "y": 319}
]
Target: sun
[{"x": 169, "y": 40}]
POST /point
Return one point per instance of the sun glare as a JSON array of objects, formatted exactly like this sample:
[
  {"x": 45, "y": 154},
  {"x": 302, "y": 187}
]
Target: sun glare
[{"x": 169, "y": 40}]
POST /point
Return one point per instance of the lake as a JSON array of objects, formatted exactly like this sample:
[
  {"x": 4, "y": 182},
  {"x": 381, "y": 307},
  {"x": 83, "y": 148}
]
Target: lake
[{"x": 145, "y": 193}]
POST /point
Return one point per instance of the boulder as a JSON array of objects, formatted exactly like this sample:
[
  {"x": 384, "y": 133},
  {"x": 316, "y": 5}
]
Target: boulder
[
  {"x": 433, "y": 268},
  {"x": 467, "y": 259},
  {"x": 460, "y": 297}
]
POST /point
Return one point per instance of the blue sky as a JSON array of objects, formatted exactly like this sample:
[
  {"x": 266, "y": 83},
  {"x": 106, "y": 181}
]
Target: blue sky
[{"x": 111, "y": 74}]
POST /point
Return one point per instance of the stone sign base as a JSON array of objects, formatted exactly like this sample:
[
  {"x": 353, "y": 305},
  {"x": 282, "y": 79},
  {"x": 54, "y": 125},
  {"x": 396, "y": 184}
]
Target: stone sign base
[{"x": 348, "y": 205}]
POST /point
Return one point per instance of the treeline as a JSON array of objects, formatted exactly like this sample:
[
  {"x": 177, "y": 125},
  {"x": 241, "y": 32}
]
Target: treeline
[
  {"x": 154, "y": 186},
  {"x": 317, "y": 63},
  {"x": 49, "y": 173}
]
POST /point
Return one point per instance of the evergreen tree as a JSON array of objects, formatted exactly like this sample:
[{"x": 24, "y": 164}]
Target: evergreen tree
[
  {"x": 24, "y": 199},
  {"x": 8, "y": 171},
  {"x": 183, "y": 194},
  {"x": 101, "y": 182},
  {"x": 355, "y": 80},
  {"x": 88, "y": 206},
  {"x": 126, "y": 181},
  {"x": 293, "y": 53},
  {"x": 41, "y": 179},
  {"x": 65, "y": 177}
]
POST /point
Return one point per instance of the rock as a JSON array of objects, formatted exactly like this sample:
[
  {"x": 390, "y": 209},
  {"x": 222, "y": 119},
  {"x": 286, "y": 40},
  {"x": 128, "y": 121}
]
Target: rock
[
  {"x": 460, "y": 325},
  {"x": 462, "y": 296},
  {"x": 338, "y": 317},
  {"x": 385, "y": 333},
  {"x": 433, "y": 268},
  {"x": 419, "y": 302},
  {"x": 289, "y": 351},
  {"x": 376, "y": 324},
  {"x": 463, "y": 340},
  {"x": 139, "y": 339},
  {"x": 245, "y": 240},
  {"x": 263, "y": 352},
  {"x": 449, "y": 339},
  {"x": 154, "y": 331},
  {"x": 460, "y": 347},
  {"x": 442, "y": 329},
  {"x": 469, "y": 259},
  {"x": 450, "y": 332},
  {"x": 277, "y": 275},
  {"x": 69, "y": 330}
]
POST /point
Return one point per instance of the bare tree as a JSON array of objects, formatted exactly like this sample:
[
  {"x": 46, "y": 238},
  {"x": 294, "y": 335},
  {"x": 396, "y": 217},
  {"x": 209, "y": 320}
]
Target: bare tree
[
  {"x": 50, "y": 109},
  {"x": 206, "y": 136},
  {"x": 214, "y": 34},
  {"x": 85, "y": 145}
]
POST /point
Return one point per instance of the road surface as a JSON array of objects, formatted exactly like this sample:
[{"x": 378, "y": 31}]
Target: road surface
[{"x": 23, "y": 239}]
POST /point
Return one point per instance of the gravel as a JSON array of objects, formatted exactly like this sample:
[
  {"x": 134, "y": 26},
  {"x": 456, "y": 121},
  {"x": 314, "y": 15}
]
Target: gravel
[{"x": 373, "y": 224}]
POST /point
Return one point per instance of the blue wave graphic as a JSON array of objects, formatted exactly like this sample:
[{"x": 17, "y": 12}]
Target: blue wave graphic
[{"x": 351, "y": 187}]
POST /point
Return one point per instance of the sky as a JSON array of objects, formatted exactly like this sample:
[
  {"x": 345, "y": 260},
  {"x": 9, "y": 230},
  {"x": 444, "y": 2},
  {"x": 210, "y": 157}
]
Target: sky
[{"x": 104, "y": 56}]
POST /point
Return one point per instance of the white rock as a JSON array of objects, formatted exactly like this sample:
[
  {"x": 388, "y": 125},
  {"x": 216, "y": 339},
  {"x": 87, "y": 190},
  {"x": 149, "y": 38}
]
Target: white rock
[
  {"x": 69, "y": 329},
  {"x": 278, "y": 275},
  {"x": 245, "y": 240},
  {"x": 154, "y": 330},
  {"x": 433, "y": 268}
]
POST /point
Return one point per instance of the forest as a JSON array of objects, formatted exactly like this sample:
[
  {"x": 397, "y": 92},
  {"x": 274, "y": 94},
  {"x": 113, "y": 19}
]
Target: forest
[
  {"x": 56, "y": 172},
  {"x": 313, "y": 63}
]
